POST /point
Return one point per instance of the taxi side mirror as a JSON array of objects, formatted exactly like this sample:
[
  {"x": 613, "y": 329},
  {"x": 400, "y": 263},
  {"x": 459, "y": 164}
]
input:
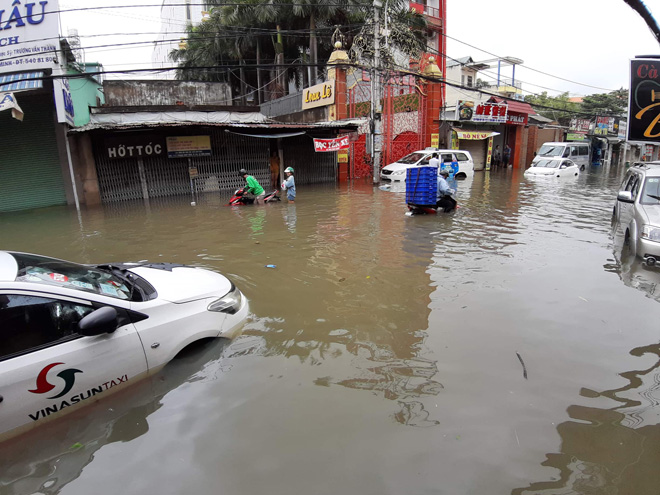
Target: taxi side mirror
[{"x": 98, "y": 322}]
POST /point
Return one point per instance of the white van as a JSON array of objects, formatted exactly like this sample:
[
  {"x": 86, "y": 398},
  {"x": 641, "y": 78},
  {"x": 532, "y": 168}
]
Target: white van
[
  {"x": 396, "y": 172},
  {"x": 580, "y": 153}
]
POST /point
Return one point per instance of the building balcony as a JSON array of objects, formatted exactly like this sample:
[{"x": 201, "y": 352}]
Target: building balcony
[{"x": 434, "y": 16}]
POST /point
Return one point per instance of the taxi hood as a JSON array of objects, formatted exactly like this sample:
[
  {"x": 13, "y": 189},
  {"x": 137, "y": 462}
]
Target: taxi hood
[{"x": 180, "y": 284}]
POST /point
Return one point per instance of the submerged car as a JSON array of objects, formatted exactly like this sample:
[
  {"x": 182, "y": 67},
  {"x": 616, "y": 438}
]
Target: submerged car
[
  {"x": 396, "y": 172},
  {"x": 73, "y": 332},
  {"x": 637, "y": 211},
  {"x": 553, "y": 167}
]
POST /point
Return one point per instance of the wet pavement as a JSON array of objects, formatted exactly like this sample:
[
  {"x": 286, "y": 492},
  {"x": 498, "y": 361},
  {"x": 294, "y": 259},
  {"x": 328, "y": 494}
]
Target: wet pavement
[{"x": 508, "y": 347}]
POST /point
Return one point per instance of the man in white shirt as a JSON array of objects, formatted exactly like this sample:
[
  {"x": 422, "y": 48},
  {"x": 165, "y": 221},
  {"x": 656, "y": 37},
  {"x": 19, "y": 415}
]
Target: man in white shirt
[{"x": 434, "y": 162}]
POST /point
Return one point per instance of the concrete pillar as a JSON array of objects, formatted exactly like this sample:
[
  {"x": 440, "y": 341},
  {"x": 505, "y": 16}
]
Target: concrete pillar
[
  {"x": 337, "y": 71},
  {"x": 85, "y": 167},
  {"x": 434, "y": 101}
]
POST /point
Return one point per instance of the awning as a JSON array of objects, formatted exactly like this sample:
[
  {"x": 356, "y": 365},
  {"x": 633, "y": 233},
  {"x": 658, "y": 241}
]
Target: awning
[
  {"x": 475, "y": 135},
  {"x": 21, "y": 81},
  {"x": 515, "y": 106}
]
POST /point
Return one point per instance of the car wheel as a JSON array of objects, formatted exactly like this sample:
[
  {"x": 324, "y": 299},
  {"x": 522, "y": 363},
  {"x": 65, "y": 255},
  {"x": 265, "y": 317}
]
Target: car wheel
[
  {"x": 461, "y": 175},
  {"x": 629, "y": 244}
]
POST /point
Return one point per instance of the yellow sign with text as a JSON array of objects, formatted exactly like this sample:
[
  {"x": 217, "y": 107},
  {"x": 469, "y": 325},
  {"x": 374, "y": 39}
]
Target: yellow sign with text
[
  {"x": 435, "y": 140},
  {"x": 319, "y": 96}
]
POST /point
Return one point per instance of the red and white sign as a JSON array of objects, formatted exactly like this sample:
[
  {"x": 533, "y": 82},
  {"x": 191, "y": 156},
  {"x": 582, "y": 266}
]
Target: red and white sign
[
  {"x": 340, "y": 143},
  {"x": 490, "y": 112},
  {"x": 514, "y": 118}
]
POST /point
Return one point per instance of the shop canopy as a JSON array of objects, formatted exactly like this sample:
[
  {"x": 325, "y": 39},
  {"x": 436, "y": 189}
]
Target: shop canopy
[{"x": 21, "y": 81}]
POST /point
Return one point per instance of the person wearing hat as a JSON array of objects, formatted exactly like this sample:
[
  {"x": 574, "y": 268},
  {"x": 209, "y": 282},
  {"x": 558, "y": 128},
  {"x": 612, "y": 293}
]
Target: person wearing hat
[
  {"x": 444, "y": 199},
  {"x": 253, "y": 187},
  {"x": 290, "y": 185}
]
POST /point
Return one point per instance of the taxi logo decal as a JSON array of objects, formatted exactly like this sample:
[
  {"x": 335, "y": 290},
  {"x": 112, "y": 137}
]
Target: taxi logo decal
[{"x": 43, "y": 385}]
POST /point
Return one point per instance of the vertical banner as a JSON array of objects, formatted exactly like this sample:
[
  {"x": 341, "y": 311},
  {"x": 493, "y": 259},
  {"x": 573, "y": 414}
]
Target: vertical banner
[
  {"x": 435, "y": 140},
  {"x": 490, "y": 152},
  {"x": 644, "y": 100}
]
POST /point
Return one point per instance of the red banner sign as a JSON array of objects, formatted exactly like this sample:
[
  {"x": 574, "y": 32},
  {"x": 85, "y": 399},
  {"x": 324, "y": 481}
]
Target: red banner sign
[
  {"x": 514, "y": 118},
  {"x": 340, "y": 143}
]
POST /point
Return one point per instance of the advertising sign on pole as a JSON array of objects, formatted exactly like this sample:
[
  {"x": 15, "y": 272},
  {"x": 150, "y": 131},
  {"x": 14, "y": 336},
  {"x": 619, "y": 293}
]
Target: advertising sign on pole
[
  {"x": 644, "y": 100},
  {"x": 29, "y": 34},
  {"x": 8, "y": 102}
]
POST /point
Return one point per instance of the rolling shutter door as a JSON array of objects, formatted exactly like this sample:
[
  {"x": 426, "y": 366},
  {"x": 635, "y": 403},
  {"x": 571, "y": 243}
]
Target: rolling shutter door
[
  {"x": 478, "y": 150},
  {"x": 30, "y": 172}
]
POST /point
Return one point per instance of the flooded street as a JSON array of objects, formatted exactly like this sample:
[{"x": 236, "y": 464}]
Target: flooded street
[{"x": 504, "y": 348}]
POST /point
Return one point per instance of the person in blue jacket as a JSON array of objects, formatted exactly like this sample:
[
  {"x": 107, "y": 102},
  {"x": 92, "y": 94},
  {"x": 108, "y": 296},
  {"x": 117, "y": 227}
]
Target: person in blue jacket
[
  {"x": 444, "y": 199},
  {"x": 290, "y": 185}
]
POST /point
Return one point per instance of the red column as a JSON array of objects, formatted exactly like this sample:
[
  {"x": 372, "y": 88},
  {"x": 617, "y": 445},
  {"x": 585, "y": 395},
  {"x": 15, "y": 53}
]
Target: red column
[{"x": 433, "y": 106}]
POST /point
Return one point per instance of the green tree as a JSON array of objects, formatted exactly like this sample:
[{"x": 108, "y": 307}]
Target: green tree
[
  {"x": 613, "y": 103},
  {"x": 558, "y": 108}
]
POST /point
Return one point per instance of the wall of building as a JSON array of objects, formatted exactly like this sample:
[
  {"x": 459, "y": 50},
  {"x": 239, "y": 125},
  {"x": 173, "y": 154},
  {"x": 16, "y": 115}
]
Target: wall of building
[
  {"x": 85, "y": 92},
  {"x": 189, "y": 93}
]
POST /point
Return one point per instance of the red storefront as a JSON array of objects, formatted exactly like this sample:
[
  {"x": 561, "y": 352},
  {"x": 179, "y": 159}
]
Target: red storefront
[{"x": 515, "y": 129}]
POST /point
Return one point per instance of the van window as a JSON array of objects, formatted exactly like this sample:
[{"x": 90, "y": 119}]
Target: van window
[
  {"x": 446, "y": 157},
  {"x": 462, "y": 157},
  {"x": 566, "y": 153},
  {"x": 574, "y": 151},
  {"x": 551, "y": 150},
  {"x": 584, "y": 150}
]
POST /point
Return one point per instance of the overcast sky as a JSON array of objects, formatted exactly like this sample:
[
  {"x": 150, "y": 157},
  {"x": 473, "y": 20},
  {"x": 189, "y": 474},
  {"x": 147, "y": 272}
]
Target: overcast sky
[{"x": 589, "y": 42}]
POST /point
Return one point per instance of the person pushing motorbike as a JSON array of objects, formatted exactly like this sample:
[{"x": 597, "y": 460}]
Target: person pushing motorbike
[{"x": 253, "y": 187}]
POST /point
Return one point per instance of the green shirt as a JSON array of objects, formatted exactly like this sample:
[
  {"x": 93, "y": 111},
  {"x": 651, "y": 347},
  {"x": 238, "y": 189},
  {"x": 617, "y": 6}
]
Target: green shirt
[{"x": 253, "y": 186}]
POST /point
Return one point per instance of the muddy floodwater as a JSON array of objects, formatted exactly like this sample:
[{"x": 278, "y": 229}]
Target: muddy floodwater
[{"x": 505, "y": 348}]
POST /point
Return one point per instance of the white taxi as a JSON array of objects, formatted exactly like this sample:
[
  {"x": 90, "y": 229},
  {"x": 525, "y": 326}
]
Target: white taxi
[
  {"x": 396, "y": 172},
  {"x": 71, "y": 334},
  {"x": 552, "y": 167}
]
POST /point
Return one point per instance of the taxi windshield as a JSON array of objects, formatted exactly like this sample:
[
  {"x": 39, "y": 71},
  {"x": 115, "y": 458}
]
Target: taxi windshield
[
  {"x": 411, "y": 158},
  {"x": 51, "y": 271},
  {"x": 547, "y": 163}
]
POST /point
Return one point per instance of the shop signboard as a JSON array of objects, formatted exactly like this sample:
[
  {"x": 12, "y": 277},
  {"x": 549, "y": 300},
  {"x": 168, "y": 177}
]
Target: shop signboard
[
  {"x": 575, "y": 136},
  {"x": 8, "y": 102},
  {"x": 188, "y": 146},
  {"x": 623, "y": 129},
  {"x": 63, "y": 101},
  {"x": 127, "y": 146},
  {"x": 28, "y": 35},
  {"x": 495, "y": 113},
  {"x": 514, "y": 118},
  {"x": 606, "y": 126},
  {"x": 579, "y": 126},
  {"x": 323, "y": 145},
  {"x": 643, "y": 105},
  {"x": 319, "y": 95}
]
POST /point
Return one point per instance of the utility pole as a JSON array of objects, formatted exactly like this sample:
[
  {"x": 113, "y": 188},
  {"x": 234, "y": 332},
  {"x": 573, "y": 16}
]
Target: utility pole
[{"x": 376, "y": 114}]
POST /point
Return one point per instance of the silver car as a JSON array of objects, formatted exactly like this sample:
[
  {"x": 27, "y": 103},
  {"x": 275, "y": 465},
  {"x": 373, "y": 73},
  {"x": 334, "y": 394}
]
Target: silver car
[{"x": 637, "y": 211}]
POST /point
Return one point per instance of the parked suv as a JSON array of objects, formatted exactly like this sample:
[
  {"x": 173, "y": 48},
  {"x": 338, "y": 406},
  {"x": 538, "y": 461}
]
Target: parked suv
[
  {"x": 396, "y": 171},
  {"x": 637, "y": 210}
]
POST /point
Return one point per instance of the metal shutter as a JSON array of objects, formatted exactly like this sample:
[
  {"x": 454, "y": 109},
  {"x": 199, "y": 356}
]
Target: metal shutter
[
  {"x": 478, "y": 148},
  {"x": 30, "y": 172}
]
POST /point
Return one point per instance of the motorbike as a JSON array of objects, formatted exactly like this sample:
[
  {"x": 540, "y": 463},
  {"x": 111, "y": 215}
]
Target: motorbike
[
  {"x": 447, "y": 207},
  {"x": 239, "y": 198}
]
